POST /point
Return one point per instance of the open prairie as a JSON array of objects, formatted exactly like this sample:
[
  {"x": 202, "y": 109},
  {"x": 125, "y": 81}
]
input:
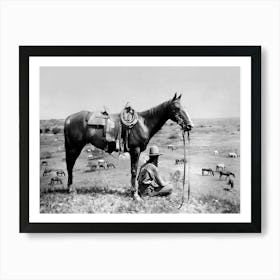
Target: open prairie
[{"x": 108, "y": 190}]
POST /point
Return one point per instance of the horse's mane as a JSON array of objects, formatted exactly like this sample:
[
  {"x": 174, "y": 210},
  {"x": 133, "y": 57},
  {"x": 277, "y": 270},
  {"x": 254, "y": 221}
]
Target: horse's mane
[{"x": 155, "y": 111}]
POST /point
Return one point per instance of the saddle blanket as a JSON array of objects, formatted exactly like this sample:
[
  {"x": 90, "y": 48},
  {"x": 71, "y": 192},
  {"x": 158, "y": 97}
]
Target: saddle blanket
[
  {"x": 103, "y": 121},
  {"x": 97, "y": 118}
]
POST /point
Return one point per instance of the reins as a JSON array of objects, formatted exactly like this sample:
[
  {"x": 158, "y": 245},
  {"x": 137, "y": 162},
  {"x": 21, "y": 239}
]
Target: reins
[{"x": 184, "y": 176}]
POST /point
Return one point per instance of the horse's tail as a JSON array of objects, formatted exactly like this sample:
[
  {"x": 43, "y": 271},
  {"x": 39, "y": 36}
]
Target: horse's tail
[{"x": 66, "y": 133}]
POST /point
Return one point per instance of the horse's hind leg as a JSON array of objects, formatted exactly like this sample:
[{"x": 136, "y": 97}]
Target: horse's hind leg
[{"x": 71, "y": 157}]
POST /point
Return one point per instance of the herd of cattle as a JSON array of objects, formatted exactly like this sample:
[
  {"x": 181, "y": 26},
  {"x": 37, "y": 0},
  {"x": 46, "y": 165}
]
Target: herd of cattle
[
  {"x": 58, "y": 173},
  {"x": 220, "y": 167},
  {"x": 221, "y": 170},
  {"x": 99, "y": 163},
  {"x": 93, "y": 164}
]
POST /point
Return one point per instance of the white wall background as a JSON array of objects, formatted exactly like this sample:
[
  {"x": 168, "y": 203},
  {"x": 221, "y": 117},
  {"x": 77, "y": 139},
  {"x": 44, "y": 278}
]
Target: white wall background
[{"x": 139, "y": 256}]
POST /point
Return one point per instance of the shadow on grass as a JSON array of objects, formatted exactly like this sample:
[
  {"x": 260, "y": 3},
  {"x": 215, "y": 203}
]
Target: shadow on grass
[
  {"x": 90, "y": 170},
  {"x": 97, "y": 170},
  {"x": 103, "y": 190},
  {"x": 90, "y": 190}
]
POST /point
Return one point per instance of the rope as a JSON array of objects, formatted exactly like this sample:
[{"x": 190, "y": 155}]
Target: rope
[
  {"x": 184, "y": 176},
  {"x": 129, "y": 117},
  {"x": 189, "y": 167}
]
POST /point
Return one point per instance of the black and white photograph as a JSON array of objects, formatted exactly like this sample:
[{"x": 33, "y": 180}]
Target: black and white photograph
[
  {"x": 141, "y": 138},
  {"x": 111, "y": 139}
]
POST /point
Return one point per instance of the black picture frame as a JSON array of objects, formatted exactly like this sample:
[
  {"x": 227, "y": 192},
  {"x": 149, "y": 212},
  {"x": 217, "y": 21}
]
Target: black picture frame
[{"x": 25, "y": 52}]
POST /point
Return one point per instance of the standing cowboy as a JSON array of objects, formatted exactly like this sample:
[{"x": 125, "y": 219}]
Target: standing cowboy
[{"x": 149, "y": 180}]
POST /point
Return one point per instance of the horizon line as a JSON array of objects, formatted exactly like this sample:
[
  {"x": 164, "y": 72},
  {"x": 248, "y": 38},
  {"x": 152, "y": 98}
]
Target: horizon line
[{"x": 198, "y": 118}]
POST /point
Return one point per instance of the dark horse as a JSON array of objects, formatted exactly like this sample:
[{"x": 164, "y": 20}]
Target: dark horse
[
  {"x": 226, "y": 174},
  {"x": 77, "y": 134}
]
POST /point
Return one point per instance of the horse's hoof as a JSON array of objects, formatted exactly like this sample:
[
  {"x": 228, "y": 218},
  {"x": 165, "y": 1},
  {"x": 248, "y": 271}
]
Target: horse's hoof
[
  {"x": 71, "y": 191},
  {"x": 137, "y": 197}
]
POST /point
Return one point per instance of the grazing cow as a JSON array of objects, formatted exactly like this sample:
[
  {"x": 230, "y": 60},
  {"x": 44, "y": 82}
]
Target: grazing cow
[
  {"x": 55, "y": 180},
  {"x": 110, "y": 164},
  {"x": 216, "y": 152},
  {"x": 176, "y": 176},
  {"x": 232, "y": 155},
  {"x": 208, "y": 170},
  {"x": 44, "y": 163},
  {"x": 102, "y": 164},
  {"x": 226, "y": 174},
  {"x": 220, "y": 166},
  {"x": 230, "y": 182},
  {"x": 171, "y": 147},
  {"x": 47, "y": 171},
  {"x": 179, "y": 161},
  {"x": 93, "y": 166},
  {"x": 60, "y": 172}
]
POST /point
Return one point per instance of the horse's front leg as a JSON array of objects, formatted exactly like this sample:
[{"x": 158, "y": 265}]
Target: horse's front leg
[{"x": 134, "y": 159}]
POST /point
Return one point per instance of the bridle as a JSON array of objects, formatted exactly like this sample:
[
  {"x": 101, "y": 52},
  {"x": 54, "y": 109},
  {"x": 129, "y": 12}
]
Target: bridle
[
  {"x": 178, "y": 118},
  {"x": 181, "y": 122}
]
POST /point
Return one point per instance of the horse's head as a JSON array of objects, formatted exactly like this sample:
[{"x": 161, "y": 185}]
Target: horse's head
[{"x": 178, "y": 114}]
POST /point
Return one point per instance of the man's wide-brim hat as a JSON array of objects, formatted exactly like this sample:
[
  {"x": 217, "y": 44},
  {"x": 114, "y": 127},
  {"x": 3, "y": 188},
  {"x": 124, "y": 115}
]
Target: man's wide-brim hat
[{"x": 154, "y": 151}]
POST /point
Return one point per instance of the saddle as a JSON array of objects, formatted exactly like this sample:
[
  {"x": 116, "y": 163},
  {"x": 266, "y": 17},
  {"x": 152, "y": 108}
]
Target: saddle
[
  {"x": 98, "y": 118},
  {"x": 115, "y": 132},
  {"x": 111, "y": 129}
]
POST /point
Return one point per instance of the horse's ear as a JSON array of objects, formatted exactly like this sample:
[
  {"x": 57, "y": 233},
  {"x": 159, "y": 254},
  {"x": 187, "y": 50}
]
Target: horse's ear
[
  {"x": 179, "y": 97},
  {"x": 175, "y": 96}
]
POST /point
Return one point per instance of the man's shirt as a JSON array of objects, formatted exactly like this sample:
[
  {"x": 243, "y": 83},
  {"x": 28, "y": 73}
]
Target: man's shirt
[{"x": 149, "y": 176}]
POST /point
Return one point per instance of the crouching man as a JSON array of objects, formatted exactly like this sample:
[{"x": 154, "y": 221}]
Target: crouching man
[{"x": 149, "y": 181}]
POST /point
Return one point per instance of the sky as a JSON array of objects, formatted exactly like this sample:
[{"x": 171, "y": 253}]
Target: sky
[{"x": 207, "y": 92}]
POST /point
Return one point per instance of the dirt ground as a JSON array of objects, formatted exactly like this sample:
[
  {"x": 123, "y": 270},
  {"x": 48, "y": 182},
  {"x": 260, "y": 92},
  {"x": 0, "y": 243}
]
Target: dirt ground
[{"x": 108, "y": 191}]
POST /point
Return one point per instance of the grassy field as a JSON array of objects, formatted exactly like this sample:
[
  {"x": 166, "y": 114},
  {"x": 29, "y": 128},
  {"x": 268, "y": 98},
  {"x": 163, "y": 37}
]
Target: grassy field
[{"x": 108, "y": 191}]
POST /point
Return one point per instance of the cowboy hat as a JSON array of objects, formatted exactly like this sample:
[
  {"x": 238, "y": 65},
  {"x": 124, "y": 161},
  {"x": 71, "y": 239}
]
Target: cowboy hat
[{"x": 154, "y": 151}]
